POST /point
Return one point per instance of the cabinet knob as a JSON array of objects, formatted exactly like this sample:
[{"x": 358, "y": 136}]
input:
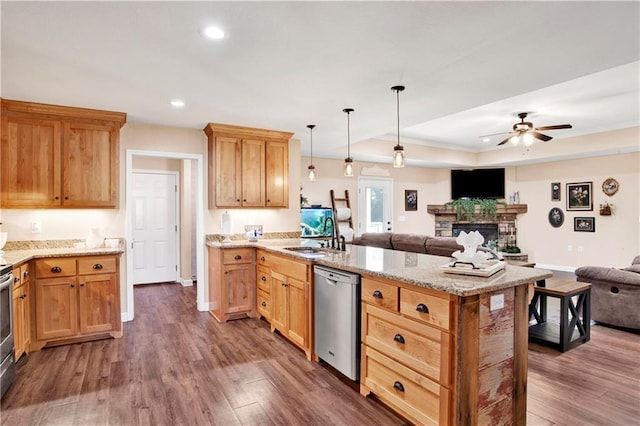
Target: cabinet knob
[
  {"x": 398, "y": 386},
  {"x": 262, "y": 258},
  {"x": 264, "y": 304},
  {"x": 24, "y": 296},
  {"x": 244, "y": 201},
  {"x": 422, "y": 308},
  {"x": 98, "y": 266},
  {"x": 72, "y": 285},
  {"x": 238, "y": 200},
  {"x": 237, "y": 257},
  {"x": 56, "y": 198},
  {"x": 398, "y": 338},
  {"x": 268, "y": 201},
  {"x": 66, "y": 198},
  {"x": 25, "y": 274},
  {"x": 56, "y": 269},
  {"x": 81, "y": 284},
  {"x": 264, "y": 278},
  {"x": 377, "y": 294},
  {"x": 16, "y": 280}
]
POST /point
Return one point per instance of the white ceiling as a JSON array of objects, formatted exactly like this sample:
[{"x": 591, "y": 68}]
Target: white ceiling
[{"x": 468, "y": 67}]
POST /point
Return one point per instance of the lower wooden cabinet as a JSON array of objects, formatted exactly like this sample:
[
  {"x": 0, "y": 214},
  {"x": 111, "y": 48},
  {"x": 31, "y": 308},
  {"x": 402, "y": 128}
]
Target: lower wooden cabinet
[
  {"x": 232, "y": 283},
  {"x": 21, "y": 310},
  {"x": 263, "y": 287},
  {"x": 76, "y": 299}
]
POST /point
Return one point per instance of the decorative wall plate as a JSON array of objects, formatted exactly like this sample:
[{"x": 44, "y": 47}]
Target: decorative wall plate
[
  {"x": 610, "y": 186},
  {"x": 556, "y": 217}
]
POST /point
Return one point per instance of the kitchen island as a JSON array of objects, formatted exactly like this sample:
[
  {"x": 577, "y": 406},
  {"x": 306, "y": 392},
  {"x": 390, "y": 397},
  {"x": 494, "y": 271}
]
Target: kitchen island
[{"x": 438, "y": 348}]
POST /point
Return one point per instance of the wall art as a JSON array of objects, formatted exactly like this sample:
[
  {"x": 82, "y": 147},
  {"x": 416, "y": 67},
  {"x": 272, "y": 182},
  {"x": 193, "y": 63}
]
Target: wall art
[
  {"x": 579, "y": 196},
  {"x": 555, "y": 191},
  {"x": 610, "y": 186},
  {"x": 584, "y": 224},
  {"x": 410, "y": 200},
  {"x": 556, "y": 217}
]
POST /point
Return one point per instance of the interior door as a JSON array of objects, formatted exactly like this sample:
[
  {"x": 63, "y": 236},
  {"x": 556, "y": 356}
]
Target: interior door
[
  {"x": 155, "y": 227},
  {"x": 375, "y": 201}
]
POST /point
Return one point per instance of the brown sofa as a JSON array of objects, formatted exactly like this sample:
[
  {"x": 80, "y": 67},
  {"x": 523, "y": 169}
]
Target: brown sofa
[
  {"x": 416, "y": 243},
  {"x": 615, "y": 293}
]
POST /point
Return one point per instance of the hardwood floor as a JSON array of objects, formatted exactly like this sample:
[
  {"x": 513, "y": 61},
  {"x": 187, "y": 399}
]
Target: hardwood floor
[{"x": 178, "y": 366}]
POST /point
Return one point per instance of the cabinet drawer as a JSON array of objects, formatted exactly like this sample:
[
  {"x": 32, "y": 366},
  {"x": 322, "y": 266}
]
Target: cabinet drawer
[
  {"x": 263, "y": 279},
  {"x": 55, "y": 267},
  {"x": 96, "y": 265},
  {"x": 421, "y": 347},
  {"x": 262, "y": 258},
  {"x": 264, "y": 305},
  {"x": 380, "y": 294},
  {"x": 425, "y": 307},
  {"x": 297, "y": 269},
  {"x": 420, "y": 399},
  {"x": 234, "y": 256}
]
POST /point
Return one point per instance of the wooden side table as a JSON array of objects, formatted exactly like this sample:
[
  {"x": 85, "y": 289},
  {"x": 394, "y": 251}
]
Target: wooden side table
[{"x": 574, "y": 327}]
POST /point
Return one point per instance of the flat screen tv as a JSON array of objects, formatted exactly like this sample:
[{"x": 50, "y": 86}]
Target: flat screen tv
[{"x": 477, "y": 183}]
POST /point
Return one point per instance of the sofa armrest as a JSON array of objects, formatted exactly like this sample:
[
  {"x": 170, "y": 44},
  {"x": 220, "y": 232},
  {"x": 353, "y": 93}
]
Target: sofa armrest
[{"x": 601, "y": 273}]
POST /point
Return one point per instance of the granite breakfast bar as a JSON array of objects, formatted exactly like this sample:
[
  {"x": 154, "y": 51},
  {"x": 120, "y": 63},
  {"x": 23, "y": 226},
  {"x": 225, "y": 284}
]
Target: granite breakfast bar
[{"x": 438, "y": 348}]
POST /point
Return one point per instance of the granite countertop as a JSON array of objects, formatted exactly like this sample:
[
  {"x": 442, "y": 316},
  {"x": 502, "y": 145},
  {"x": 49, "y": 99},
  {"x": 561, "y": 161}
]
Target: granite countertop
[
  {"x": 16, "y": 257},
  {"x": 411, "y": 268}
]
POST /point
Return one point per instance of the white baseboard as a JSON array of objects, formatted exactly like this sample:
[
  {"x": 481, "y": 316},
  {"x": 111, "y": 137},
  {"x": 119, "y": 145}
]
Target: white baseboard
[
  {"x": 125, "y": 317},
  {"x": 560, "y": 268},
  {"x": 204, "y": 307},
  {"x": 186, "y": 283}
]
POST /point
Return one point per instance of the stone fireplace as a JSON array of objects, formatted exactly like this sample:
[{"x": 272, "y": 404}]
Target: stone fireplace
[{"x": 488, "y": 230}]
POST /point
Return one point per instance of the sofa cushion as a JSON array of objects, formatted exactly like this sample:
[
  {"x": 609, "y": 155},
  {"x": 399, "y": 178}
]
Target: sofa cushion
[
  {"x": 633, "y": 268},
  {"x": 409, "y": 242},
  {"x": 636, "y": 260},
  {"x": 442, "y": 246},
  {"x": 612, "y": 275},
  {"x": 374, "y": 239}
]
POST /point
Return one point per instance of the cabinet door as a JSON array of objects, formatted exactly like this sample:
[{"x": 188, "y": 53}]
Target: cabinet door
[
  {"x": 99, "y": 303},
  {"x": 277, "y": 174},
  {"x": 56, "y": 308},
  {"x": 228, "y": 166},
  {"x": 30, "y": 168},
  {"x": 240, "y": 288},
  {"x": 90, "y": 166},
  {"x": 298, "y": 312},
  {"x": 279, "y": 302},
  {"x": 18, "y": 329},
  {"x": 253, "y": 178}
]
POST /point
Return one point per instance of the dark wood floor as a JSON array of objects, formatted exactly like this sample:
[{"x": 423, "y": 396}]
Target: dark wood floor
[{"x": 178, "y": 366}]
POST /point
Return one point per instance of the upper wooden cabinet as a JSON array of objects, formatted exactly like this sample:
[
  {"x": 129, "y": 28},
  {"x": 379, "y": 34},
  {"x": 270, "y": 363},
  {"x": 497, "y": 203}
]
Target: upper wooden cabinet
[
  {"x": 58, "y": 157},
  {"x": 248, "y": 167}
]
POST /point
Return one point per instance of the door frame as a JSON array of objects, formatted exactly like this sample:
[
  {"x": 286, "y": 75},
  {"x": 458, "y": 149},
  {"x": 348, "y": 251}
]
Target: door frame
[
  {"x": 362, "y": 211},
  {"x": 176, "y": 207},
  {"x": 201, "y": 303}
]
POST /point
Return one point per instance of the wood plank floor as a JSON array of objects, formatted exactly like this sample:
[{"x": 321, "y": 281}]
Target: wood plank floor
[{"x": 178, "y": 366}]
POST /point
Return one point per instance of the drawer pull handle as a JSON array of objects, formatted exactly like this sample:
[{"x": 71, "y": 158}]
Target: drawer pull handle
[
  {"x": 262, "y": 258},
  {"x": 398, "y": 338},
  {"x": 16, "y": 280},
  {"x": 264, "y": 304},
  {"x": 72, "y": 286},
  {"x": 264, "y": 278},
  {"x": 398, "y": 386},
  {"x": 98, "y": 266},
  {"x": 26, "y": 274},
  {"x": 237, "y": 257},
  {"x": 422, "y": 308},
  {"x": 377, "y": 294},
  {"x": 56, "y": 269}
]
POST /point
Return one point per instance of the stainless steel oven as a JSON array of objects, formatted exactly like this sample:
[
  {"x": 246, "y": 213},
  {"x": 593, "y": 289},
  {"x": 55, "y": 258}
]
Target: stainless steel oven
[{"x": 7, "y": 366}]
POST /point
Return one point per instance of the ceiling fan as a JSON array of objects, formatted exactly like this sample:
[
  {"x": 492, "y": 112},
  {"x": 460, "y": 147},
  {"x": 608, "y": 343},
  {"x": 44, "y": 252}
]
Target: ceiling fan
[{"x": 525, "y": 131}]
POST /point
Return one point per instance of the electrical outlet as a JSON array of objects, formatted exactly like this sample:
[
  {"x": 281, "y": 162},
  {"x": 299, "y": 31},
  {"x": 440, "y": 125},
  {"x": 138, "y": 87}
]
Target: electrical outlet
[
  {"x": 569, "y": 247},
  {"x": 496, "y": 302},
  {"x": 36, "y": 227},
  {"x": 579, "y": 249}
]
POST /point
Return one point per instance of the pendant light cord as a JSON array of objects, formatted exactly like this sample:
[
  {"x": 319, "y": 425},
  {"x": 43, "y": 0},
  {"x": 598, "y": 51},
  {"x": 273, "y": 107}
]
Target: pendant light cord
[{"x": 398, "y": 110}]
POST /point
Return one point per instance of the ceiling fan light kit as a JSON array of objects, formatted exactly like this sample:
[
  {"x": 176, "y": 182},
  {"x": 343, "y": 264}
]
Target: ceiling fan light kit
[
  {"x": 398, "y": 150},
  {"x": 348, "y": 162},
  {"x": 312, "y": 169},
  {"x": 525, "y": 132}
]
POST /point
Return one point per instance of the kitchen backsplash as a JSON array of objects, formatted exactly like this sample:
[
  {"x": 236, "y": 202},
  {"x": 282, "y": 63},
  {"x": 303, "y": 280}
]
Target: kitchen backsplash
[
  {"x": 242, "y": 237},
  {"x": 46, "y": 244}
]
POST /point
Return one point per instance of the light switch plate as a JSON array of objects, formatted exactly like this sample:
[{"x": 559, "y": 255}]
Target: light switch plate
[
  {"x": 36, "y": 227},
  {"x": 497, "y": 302}
]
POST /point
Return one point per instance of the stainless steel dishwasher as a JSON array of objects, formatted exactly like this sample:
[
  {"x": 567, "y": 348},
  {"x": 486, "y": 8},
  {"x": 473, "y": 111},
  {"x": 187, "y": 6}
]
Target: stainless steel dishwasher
[{"x": 337, "y": 319}]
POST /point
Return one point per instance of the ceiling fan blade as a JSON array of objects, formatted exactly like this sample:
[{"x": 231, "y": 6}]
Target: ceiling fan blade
[
  {"x": 506, "y": 140},
  {"x": 556, "y": 127},
  {"x": 540, "y": 136}
]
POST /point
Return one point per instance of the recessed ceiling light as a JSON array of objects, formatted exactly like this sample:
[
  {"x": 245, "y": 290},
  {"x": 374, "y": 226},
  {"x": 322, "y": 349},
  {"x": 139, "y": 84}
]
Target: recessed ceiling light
[
  {"x": 178, "y": 103},
  {"x": 486, "y": 139},
  {"x": 214, "y": 33}
]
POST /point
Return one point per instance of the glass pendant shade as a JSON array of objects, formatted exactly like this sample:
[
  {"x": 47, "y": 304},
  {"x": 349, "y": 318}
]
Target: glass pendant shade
[
  {"x": 348, "y": 166},
  {"x": 312, "y": 169},
  {"x": 398, "y": 150},
  {"x": 312, "y": 173},
  {"x": 348, "y": 162}
]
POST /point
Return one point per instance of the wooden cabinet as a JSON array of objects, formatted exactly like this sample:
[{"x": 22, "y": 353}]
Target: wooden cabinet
[
  {"x": 21, "y": 310},
  {"x": 76, "y": 298},
  {"x": 263, "y": 285},
  {"x": 291, "y": 299},
  {"x": 248, "y": 167},
  {"x": 58, "y": 157},
  {"x": 407, "y": 349},
  {"x": 232, "y": 283}
]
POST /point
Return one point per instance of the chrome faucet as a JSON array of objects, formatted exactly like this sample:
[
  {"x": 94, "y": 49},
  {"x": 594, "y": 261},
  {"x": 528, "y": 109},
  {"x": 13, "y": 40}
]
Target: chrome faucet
[
  {"x": 333, "y": 233},
  {"x": 342, "y": 241}
]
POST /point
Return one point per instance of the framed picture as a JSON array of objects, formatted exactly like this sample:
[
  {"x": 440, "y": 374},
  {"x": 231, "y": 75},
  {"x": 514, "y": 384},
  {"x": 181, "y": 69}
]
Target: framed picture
[
  {"x": 579, "y": 196},
  {"x": 410, "y": 200},
  {"x": 610, "y": 186},
  {"x": 584, "y": 224},
  {"x": 555, "y": 191},
  {"x": 556, "y": 217}
]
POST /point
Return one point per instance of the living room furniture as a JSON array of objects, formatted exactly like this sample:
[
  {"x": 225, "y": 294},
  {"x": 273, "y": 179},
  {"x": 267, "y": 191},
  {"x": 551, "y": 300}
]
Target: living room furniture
[
  {"x": 415, "y": 243},
  {"x": 574, "y": 326},
  {"x": 615, "y": 295}
]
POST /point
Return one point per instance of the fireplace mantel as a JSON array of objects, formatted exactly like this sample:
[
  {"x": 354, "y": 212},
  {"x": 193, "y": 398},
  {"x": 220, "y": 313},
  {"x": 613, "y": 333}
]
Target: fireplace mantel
[{"x": 448, "y": 210}]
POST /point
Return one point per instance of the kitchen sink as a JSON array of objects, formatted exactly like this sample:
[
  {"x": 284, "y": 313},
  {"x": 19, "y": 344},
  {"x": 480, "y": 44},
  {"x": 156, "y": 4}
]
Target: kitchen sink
[{"x": 309, "y": 252}]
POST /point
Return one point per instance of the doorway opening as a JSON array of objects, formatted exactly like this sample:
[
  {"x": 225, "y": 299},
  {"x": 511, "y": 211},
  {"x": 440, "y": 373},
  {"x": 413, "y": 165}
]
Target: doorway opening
[
  {"x": 194, "y": 165},
  {"x": 375, "y": 202}
]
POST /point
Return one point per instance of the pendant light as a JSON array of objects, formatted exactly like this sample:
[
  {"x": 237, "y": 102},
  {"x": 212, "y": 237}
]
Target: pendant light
[
  {"x": 348, "y": 162},
  {"x": 398, "y": 150},
  {"x": 312, "y": 168}
]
